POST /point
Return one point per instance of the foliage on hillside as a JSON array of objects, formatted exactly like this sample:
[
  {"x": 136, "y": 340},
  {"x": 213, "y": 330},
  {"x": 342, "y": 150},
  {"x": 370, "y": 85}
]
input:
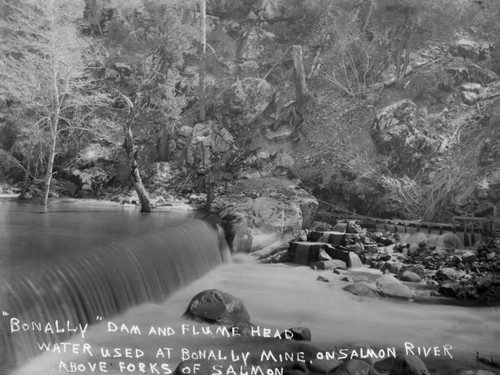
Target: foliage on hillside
[{"x": 360, "y": 56}]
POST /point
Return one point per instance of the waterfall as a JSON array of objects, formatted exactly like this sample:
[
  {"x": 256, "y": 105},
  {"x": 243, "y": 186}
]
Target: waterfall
[
  {"x": 354, "y": 260},
  {"x": 447, "y": 239},
  {"x": 77, "y": 288}
]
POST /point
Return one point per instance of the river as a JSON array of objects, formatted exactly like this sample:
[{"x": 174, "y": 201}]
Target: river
[{"x": 277, "y": 297}]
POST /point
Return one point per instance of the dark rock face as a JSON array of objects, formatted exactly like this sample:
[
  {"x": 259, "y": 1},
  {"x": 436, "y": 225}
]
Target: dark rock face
[
  {"x": 208, "y": 141},
  {"x": 215, "y": 306},
  {"x": 251, "y": 96},
  {"x": 264, "y": 212},
  {"x": 397, "y": 134},
  {"x": 393, "y": 124},
  {"x": 256, "y": 43},
  {"x": 449, "y": 289},
  {"x": 92, "y": 169},
  {"x": 447, "y": 274},
  {"x": 471, "y": 49}
]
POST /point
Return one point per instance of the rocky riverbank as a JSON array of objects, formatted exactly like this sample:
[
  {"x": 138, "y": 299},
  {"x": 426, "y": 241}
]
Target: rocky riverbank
[
  {"x": 279, "y": 298},
  {"x": 430, "y": 268}
]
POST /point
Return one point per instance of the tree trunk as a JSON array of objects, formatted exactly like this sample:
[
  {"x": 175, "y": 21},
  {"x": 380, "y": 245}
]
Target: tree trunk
[
  {"x": 203, "y": 59},
  {"x": 128, "y": 145},
  {"x": 402, "y": 66},
  {"x": 52, "y": 155},
  {"x": 26, "y": 178},
  {"x": 209, "y": 190},
  {"x": 163, "y": 144},
  {"x": 368, "y": 16},
  {"x": 399, "y": 77},
  {"x": 301, "y": 92}
]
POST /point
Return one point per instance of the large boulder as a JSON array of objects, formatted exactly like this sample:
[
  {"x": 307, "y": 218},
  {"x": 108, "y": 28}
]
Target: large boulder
[
  {"x": 472, "y": 92},
  {"x": 258, "y": 222},
  {"x": 362, "y": 288},
  {"x": 410, "y": 277},
  {"x": 393, "y": 124},
  {"x": 449, "y": 289},
  {"x": 256, "y": 42},
  {"x": 469, "y": 257},
  {"x": 389, "y": 286},
  {"x": 270, "y": 9},
  {"x": 259, "y": 212},
  {"x": 209, "y": 140},
  {"x": 267, "y": 164},
  {"x": 215, "y": 306},
  {"x": 471, "y": 49},
  {"x": 250, "y": 96},
  {"x": 397, "y": 133},
  {"x": 447, "y": 274},
  {"x": 393, "y": 266}
]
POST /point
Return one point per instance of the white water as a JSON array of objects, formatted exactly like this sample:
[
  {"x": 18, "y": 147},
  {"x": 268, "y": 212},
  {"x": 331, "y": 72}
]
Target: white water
[{"x": 282, "y": 296}]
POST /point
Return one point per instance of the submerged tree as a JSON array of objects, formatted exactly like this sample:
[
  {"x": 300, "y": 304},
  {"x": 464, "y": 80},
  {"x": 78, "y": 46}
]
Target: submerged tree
[
  {"x": 43, "y": 67},
  {"x": 133, "y": 111}
]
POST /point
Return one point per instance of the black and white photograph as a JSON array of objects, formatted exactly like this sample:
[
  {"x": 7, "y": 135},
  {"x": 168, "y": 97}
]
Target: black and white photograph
[{"x": 250, "y": 187}]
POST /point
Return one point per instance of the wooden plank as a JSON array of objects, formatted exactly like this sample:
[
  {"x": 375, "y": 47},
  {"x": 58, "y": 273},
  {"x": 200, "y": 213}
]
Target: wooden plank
[
  {"x": 487, "y": 221},
  {"x": 471, "y": 218}
]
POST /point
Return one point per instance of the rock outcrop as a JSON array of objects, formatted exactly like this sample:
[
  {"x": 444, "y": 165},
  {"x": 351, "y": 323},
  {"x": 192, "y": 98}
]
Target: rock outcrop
[
  {"x": 250, "y": 96},
  {"x": 261, "y": 212},
  {"x": 397, "y": 134},
  {"x": 256, "y": 42},
  {"x": 471, "y": 49},
  {"x": 207, "y": 141}
]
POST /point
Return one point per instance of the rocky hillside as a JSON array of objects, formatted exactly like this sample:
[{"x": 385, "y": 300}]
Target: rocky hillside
[{"x": 391, "y": 115}]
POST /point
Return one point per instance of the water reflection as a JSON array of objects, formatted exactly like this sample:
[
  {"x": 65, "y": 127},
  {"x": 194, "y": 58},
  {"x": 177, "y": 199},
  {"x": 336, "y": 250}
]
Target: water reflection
[{"x": 30, "y": 232}]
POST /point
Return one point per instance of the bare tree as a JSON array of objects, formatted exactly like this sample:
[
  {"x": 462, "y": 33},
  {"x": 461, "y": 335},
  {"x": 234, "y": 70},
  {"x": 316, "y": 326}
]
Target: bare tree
[
  {"x": 44, "y": 66},
  {"x": 134, "y": 111}
]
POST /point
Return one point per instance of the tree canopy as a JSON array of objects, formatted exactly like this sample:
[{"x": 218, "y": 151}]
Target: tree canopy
[{"x": 44, "y": 68}]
